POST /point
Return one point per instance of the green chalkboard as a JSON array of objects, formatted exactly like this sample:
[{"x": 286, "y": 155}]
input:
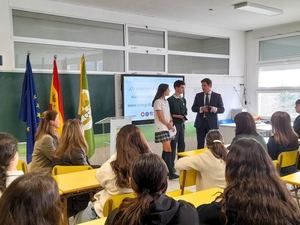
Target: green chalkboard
[{"x": 102, "y": 95}]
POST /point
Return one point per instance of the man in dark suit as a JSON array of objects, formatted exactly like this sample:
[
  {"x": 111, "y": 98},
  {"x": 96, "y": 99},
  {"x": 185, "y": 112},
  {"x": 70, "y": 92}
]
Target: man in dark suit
[
  {"x": 207, "y": 105},
  {"x": 297, "y": 120}
]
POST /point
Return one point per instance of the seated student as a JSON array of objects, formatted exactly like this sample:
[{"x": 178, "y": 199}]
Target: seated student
[
  {"x": 297, "y": 120},
  {"x": 9, "y": 158},
  {"x": 284, "y": 138},
  {"x": 46, "y": 141},
  {"x": 32, "y": 199},
  {"x": 151, "y": 206},
  {"x": 210, "y": 165},
  {"x": 255, "y": 194},
  {"x": 246, "y": 128},
  {"x": 114, "y": 174},
  {"x": 71, "y": 150}
]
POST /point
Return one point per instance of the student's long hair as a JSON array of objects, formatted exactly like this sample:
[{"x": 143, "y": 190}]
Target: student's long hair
[
  {"x": 245, "y": 124},
  {"x": 160, "y": 92},
  {"x": 282, "y": 129},
  {"x": 214, "y": 142},
  {"x": 130, "y": 144},
  {"x": 149, "y": 181},
  {"x": 32, "y": 199},
  {"x": 8, "y": 151},
  {"x": 71, "y": 139},
  {"x": 45, "y": 125},
  {"x": 254, "y": 190}
]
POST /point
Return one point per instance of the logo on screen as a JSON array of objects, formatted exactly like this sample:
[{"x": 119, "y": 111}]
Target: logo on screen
[{"x": 142, "y": 114}]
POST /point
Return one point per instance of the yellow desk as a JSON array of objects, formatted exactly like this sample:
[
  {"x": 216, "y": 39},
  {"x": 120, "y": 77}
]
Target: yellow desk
[
  {"x": 192, "y": 153},
  {"x": 76, "y": 183},
  {"x": 100, "y": 221},
  {"x": 293, "y": 178},
  {"x": 201, "y": 197}
]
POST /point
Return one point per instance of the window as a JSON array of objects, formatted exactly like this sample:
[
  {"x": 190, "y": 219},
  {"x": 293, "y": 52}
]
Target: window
[
  {"x": 37, "y": 25},
  {"x": 279, "y": 48},
  {"x": 197, "y": 54},
  {"x": 278, "y": 89},
  {"x": 146, "y": 37},
  {"x": 146, "y": 62},
  {"x": 279, "y": 76},
  {"x": 110, "y": 47},
  {"x": 270, "y": 102},
  {"x": 68, "y": 58},
  {"x": 197, "y": 65},
  {"x": 197, "y": 43},
  {"x": 68, "y": 38}
]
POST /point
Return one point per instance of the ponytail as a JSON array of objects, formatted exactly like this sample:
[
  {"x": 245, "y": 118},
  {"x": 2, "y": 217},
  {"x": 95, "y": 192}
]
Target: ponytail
[
  {"x": 2, "y": 178},
  {"x": 8, "y": 150},
  {"x": 133, "y": 210},
  {"x": 218, "y": 150},
  {"x": 214, "y": 141}
]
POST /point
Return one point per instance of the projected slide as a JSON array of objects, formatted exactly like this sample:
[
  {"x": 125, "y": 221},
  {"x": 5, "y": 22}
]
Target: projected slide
[{"x": 138, "y": 93}]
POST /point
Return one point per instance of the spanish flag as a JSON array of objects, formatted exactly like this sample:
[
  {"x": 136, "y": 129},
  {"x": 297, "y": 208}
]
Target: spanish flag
[
  {"x": 56, "y": 102},
  {"x": 84, "y": 109}
]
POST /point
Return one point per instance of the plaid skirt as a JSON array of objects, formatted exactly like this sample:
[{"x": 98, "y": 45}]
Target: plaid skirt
[{"x": 162, "y": 136}]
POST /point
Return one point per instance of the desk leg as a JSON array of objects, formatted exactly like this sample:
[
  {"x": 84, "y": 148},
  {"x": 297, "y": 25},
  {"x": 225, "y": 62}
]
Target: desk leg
[{"x": 65, "y": 210}]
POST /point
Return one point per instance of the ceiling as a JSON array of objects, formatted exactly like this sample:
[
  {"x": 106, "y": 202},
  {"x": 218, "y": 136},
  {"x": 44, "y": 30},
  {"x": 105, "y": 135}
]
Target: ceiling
[{"x": 218, "y": 13}]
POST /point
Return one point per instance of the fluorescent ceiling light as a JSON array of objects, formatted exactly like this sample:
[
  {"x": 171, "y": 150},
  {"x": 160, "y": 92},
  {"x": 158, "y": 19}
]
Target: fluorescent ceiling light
[{"x": 257, "y": 8}]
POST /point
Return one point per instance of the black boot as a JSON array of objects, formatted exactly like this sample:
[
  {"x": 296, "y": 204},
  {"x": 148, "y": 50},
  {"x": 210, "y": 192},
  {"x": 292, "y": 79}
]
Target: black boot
[{"x": 167, "y": 157}]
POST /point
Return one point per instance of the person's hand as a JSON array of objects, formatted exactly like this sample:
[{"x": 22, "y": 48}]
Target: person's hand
[
  {"x": 181, "y": 117},
  {"x": 213, "y": 109},
  {"x": 205, "y": 109},
  {"x": 170, "y": 125}
]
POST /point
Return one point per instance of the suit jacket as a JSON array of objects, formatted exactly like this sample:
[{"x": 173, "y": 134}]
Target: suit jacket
[{"x": 212, "y": 118}]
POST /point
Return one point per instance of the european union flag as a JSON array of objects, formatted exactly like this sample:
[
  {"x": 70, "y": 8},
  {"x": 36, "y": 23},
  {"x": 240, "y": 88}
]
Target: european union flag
[{"x": 29, "y": 110}]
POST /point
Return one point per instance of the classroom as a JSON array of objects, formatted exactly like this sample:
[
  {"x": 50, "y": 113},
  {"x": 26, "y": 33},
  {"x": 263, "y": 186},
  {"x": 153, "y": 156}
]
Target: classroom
[{"x": 238, "y": 63}]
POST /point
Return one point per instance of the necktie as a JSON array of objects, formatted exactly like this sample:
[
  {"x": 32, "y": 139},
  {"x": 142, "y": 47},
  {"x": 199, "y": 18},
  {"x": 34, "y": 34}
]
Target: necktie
[
  {"x": 206, "y": 102},
  {"x": 206, "y": 99}
]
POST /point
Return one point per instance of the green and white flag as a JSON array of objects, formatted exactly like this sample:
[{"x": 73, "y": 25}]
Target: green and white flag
[{"x": 84, "y": 110}]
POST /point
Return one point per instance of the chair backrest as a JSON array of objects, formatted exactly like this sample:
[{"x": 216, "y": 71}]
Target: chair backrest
[
  {"x": 114, "y": 202},
  {"x": 187, "y": 178},
  {"x": 22, "y": 166},
  {"x": 69, "y": 169},
  {"x": 289, "y": 158}
]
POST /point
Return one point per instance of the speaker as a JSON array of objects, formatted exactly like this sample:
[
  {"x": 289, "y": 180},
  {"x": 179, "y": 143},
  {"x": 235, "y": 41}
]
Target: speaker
[{"x": 1, "y": 60}]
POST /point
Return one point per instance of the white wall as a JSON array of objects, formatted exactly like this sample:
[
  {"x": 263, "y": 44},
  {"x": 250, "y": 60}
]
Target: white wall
[
  {"x": 252, "y": 37},
  {"x": 6, "y": 44},
  {"x": 222, "y": 84}
]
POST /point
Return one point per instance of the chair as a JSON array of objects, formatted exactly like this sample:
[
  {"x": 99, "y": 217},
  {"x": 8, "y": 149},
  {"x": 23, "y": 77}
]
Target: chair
[
  {"x": 22, "y": 166},
  {"x": 187, "y": 178},
  {"x": 114, "y": 202},
  {"x": 287, "y": 159},
  {"x": 69, "y": 169}
]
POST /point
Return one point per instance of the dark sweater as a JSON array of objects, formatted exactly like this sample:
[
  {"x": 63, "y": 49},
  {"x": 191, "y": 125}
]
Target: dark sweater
[
  {"x": 178, "y": 107},
  {"x": 275, "y": 149},
  {"x": 297, "y": 125},
  {"x": 76, "y": 157},
  {"x": 210, "y": 214},
  {"x": 166, "y": 211}
]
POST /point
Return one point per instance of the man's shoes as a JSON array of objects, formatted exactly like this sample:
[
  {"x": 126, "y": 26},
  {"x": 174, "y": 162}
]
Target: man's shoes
[{"x": 173, "y": 176}]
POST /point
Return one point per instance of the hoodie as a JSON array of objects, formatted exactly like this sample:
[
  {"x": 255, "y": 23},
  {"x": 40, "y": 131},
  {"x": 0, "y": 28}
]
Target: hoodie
[{"x": 166, "y": 211}]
